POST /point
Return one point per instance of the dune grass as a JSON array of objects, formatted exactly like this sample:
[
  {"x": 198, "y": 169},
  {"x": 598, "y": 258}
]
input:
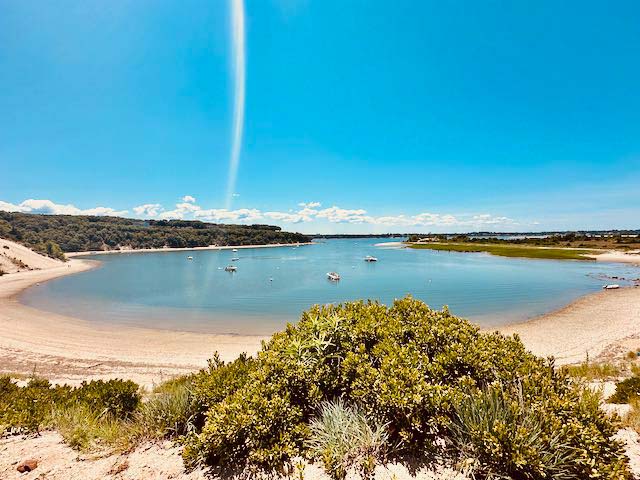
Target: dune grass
[
  {"x": 510, "y": 250},
  {"x": 594, "y": 371}
]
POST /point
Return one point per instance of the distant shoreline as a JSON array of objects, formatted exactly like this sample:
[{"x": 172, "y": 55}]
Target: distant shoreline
[{"x": 183, "y": 249}]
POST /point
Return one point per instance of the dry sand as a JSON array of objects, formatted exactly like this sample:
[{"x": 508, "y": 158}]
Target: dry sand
[
  {"x": 632, "y": 256},
  {"x": 601, "y": 325},
  {"x": 151, "y": 461},
  {"x": 16, "y": 258}
]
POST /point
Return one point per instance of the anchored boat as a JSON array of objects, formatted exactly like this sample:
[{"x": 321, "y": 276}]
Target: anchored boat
[
  {"x": 333, "y": 276},
  {"x": 369, "y": 258},
  {"x": 230, "y": 268}
]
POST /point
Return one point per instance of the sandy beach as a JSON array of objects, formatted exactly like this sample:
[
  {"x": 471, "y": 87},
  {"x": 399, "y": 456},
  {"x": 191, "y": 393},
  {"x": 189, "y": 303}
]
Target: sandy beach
[
  {"x": 601, "y": 325},
  {"x": 70, "y": 350}
]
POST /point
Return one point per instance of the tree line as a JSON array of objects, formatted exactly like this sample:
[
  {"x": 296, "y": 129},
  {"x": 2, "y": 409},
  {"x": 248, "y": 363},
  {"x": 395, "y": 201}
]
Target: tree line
[{"x": 54, "y": 234}]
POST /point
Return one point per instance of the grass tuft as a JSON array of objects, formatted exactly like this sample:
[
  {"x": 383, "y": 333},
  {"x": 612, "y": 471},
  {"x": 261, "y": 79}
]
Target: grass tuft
[{"x": 344, "y": 438}]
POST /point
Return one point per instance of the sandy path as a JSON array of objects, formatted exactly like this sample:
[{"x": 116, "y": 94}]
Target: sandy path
[
  {"x": 602, "y": 324},
  {"x": 66, "y": 349}
]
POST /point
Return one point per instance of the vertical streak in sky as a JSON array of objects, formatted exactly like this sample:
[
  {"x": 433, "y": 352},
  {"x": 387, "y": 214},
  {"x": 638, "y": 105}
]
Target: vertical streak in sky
[{"x": 238, "y": 51}]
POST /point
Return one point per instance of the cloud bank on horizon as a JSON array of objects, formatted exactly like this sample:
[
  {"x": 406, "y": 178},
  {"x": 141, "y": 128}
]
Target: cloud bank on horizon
[{"x": 309, "y": 213}]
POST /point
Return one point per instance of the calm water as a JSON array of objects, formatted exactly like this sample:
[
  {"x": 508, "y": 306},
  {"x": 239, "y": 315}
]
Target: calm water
[{"x": 166, "y": 290}]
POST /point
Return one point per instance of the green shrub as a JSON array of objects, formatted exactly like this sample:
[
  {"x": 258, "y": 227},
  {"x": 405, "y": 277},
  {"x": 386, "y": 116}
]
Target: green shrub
[
  {"x": 218, "y": 381},
  {"x": 30, "y": 408},
  {"x": 119, "y": 398},
  {"x": 27, "y": 409},
  {"x": 406, "y": 366},
  {"x": 51, "y": 249},
  {"x": 343, "y": 438},
  {"x": 625, "y": 390},
  {"x": 498, "y": 433}
]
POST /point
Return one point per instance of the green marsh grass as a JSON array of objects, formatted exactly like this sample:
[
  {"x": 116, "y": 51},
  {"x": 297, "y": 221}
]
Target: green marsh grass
[{"x": 510, "y": 250}]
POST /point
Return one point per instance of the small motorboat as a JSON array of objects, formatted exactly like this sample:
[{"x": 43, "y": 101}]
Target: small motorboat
[
  {"x": 234, "y": 259},
  {"x": 189, "y": 257},
  {"x": 369, "y": 258},
  {"x": 612, "y": 286},
  {"x": 230, "y": 268},
  {"x": 234, "y": 250},
  {"x": 333, "y": 276}
]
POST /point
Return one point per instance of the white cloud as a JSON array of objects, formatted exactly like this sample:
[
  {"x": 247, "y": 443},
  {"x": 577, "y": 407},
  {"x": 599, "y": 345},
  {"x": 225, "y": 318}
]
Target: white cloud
[
  {"x": 148, "y": 210},
  {"x": 245, "y": 215},
  {"x": 309, "y": 212},
  {"x": 48, "y": 207},
  {"x": 287, "y": 217},
  {"x": 341, "y": 215},
  {"x": 181, "y": 210},
  {"x": 11, "y": 207}
]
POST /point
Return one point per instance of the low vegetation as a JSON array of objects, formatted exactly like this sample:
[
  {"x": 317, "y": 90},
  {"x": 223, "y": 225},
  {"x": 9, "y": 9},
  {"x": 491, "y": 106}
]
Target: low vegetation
[
  {"x": 55, "y": 234},
  {"x": 590, "y": 371},
  {"x": 614, "y": 240},
  {"x": 39, "y": 405},
  {"x": 410, "y": 369},
  {"x": 505, "y": 250},
  {"x": 351, "y": 386},
  {"x": 626, "y": 390}
]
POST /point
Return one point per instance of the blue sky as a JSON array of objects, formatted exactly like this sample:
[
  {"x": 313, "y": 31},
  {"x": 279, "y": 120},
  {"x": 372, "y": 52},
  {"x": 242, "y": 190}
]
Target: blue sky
[{"x": 358, "y": 116}]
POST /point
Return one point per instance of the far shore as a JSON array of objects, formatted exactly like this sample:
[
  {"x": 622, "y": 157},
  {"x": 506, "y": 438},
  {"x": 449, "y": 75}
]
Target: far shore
[
  {"x": 183, "y": 249},
  {"x": 68, "y": 350}
]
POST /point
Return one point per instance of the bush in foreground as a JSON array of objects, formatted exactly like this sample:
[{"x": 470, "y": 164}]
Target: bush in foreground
[{"x": 413, "y": 369}]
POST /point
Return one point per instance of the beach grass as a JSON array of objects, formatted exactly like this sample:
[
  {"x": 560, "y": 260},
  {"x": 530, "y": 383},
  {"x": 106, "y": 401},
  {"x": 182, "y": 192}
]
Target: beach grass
[
  {"x": 510, "y": 250},
  {"x": 594, "y": 371}
]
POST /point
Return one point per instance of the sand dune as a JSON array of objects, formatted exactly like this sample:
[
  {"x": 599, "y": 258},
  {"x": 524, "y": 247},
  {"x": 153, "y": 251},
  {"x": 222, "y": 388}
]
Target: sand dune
[{"x": 17, "y": 258}]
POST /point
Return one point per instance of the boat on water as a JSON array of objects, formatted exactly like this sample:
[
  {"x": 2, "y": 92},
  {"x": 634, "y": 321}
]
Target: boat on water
[
  {"x": 189, "y": 257},
  {"x": 235, "y": 259},
  {"x": 613, "y": 286},
  {"x": 234, "y": 250},
  {"x": 333, "y": 276},
  {"x": 230, "y": 268},
  {"x": 369, "y": 258}
]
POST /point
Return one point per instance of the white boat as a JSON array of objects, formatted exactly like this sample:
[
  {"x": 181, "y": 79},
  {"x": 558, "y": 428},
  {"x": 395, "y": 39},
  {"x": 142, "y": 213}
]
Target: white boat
[
  {"x": 235, "y": 259},
  {"x": 230, "y": 268},
  {"x": 369, "y": 258},
  {"x": 234, "y": 250},
  {"x": 333, "y": 276},
  {"x": 189, "y": 257},
  {"x": 613, "y": 286}
]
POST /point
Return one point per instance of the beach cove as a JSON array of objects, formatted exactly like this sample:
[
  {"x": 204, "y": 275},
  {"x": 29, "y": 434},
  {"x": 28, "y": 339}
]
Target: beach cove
[{"x": 69, "y": 349}]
